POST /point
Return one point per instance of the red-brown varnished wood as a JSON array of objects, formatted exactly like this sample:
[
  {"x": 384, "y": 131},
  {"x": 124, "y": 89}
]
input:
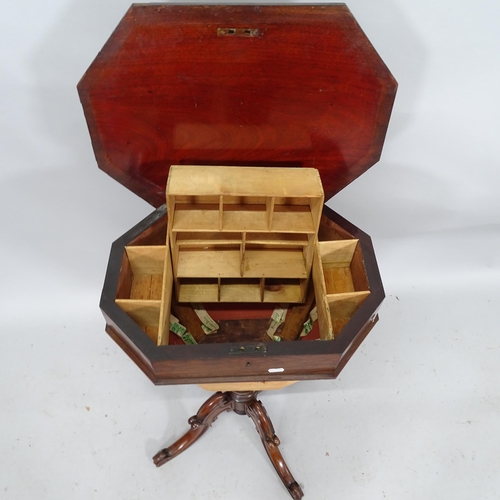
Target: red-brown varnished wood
[
  {"x": 187, "y": 317},
  {"x": 256, "y": 411},
  {"x": 296, "y": 316},
  {"x": 242, "y": 403},
  {"x": 155, "y": 233},
  {"x": 355, "y": 344},
  {"x": 247, "y": 330},
  {"x": 207, "y": 414},
  {"x": 294, "y": 85},
  {"x": 222, "y": 364}
]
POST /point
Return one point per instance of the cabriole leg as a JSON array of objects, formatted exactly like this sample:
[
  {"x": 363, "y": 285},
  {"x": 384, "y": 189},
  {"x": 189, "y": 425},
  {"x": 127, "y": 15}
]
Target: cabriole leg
[
  {"x": 256, "y": 411},
  {"x": 207, "y": 414}
]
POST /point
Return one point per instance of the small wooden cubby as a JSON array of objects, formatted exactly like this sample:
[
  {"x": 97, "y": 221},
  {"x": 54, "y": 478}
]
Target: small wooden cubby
[
  {"x": 140, "y": 294},
  {"x": 242, "y": 234},
  {"x": 340, "y": 284},
  {"x": 145, "y": 291}
]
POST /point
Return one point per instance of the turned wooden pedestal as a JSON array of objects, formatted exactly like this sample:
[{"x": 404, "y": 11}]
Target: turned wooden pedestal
[{"x": 242, "y": 403}]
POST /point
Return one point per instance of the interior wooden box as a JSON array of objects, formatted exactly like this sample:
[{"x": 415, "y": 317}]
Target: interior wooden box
[
  {"x": 340, "y": 284},
  {"x": 140, "y": 292},
  {"x": 339, "y": 277},
  {"x": 134, "y": 281},
  {"x": 241, "y": 267},
  {"x": 236, "y": 238},
  {"x": 266, "y": 290}
]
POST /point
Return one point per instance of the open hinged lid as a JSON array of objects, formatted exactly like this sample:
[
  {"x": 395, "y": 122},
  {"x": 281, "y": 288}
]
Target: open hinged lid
[{"x": 295, "y": 85}]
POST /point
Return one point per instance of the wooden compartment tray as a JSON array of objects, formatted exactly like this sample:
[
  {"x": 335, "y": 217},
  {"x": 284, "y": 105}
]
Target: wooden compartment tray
[
  {"x": 346, "y": 282},
  {"x": 164, "y": 91},
  {"x": 140, "y": 296},
  {"x": 223, "y": 266},
  {"x": 340, "y": 284},
  {"x": 242, "y": 226}
]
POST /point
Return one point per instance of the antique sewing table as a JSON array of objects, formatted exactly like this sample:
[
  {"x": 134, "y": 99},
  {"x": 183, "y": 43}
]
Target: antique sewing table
[{"x": 273, "y": 87}]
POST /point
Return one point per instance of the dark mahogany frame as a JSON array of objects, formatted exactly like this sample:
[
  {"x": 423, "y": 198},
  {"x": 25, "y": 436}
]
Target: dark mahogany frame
[{"x": 212, "y": 363}]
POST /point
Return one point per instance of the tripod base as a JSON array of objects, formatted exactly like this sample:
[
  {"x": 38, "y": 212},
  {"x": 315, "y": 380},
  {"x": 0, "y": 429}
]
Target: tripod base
[{"x": 242, "y": 403}]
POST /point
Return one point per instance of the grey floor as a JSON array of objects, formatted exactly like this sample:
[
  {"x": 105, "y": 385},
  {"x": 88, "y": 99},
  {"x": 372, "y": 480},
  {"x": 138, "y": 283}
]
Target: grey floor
[{"x": 416, "y": 412}]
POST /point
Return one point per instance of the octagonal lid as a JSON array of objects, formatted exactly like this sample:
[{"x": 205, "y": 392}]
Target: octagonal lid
[{"x": 295, "y": 85}]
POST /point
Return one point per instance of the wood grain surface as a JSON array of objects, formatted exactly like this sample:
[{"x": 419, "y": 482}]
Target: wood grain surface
[{"x": 303, "y": 88}]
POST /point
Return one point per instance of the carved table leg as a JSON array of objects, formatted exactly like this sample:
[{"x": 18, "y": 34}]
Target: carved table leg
[
  {"x": 256, "y": 411},
  {"x": 243, "y": 403},
  {"x": 207, "y": 414}
]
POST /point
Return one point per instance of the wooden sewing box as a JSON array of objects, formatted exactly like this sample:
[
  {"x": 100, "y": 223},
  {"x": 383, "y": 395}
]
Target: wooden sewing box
[{"x": 263, "y": 113}]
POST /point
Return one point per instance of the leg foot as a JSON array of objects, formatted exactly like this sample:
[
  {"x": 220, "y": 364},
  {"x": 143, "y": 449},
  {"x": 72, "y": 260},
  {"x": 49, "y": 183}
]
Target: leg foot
[{"x": 199, "y": 423}]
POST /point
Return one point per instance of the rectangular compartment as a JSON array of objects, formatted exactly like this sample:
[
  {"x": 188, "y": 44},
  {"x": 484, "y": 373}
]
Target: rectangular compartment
[
  {"x": 146, "y": 313},
  {"x": 199, "y": 217},
  {"x": 284, "y": 290},
  {"x": 140, "y": 287},
  {"x": 212, "y": 262},
  {"x": 340, "y": 284},
  {"x": 274, "y": 262},
  {"x": 293, "y": 219},
  {"x": 245, "y": 218},
  {"x": 240, "y": 290},
  {"x": 146, "y": 266},
  {"x": 244, "y": 213},
  {"x": 198, "y": 290}
]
